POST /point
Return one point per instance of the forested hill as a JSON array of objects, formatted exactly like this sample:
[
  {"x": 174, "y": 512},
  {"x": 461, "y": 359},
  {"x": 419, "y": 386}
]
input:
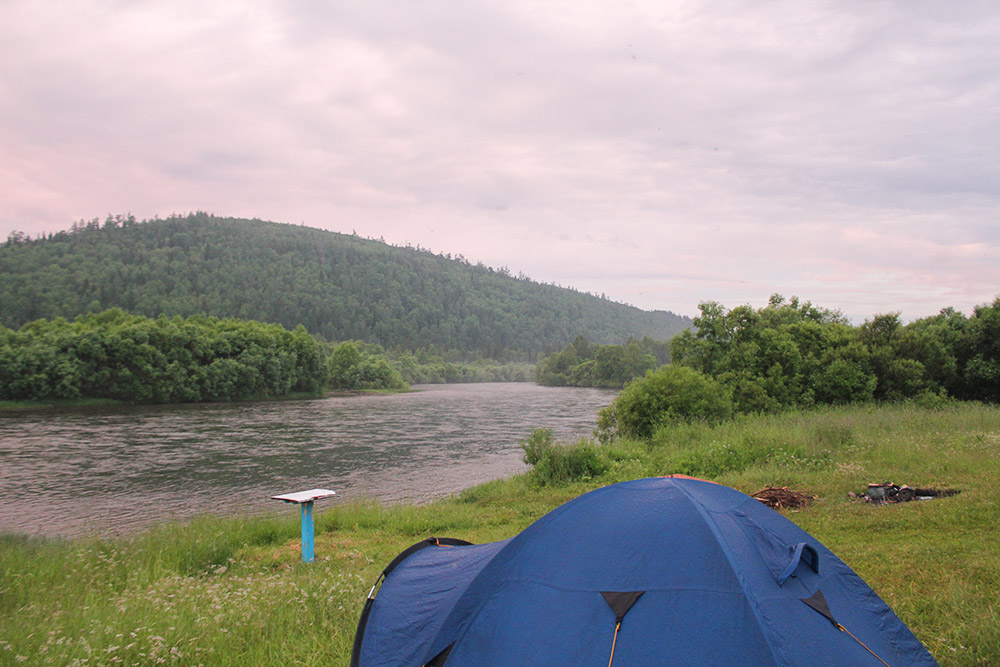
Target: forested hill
[{"x": 338, "y": 286}]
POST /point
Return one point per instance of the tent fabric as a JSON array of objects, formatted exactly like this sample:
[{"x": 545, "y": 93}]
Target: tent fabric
[
  {"x": 713, "y": 577},
  {"x": 419, "y": 588},
  {"x": 402, "y": 580}
]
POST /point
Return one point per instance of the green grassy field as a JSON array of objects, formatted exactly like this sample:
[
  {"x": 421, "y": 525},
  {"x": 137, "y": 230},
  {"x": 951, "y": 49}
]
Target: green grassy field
[{"x": 233, "y": 591}]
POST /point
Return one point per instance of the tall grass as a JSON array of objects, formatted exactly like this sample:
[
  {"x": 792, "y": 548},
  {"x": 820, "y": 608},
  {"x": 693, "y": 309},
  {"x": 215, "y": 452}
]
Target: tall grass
[{"x": 234, "y": 591}]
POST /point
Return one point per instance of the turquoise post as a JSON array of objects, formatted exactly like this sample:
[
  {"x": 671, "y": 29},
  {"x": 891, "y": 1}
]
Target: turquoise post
[
  {"x": 305, "y": 501},
  {"x": 307, "y": 532}
]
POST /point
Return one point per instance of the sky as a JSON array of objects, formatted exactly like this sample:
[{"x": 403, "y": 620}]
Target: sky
[{"x": 662, "y": 153}]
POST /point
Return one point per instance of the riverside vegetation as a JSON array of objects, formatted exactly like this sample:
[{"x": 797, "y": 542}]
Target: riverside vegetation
[
  {"x": 120, "y": 357},
  {"x": 233, "y": 591},
  {"x": 586, "y": 364},
  {"x": 116, "y": 356},
  {"x": 794, "y": 354}
]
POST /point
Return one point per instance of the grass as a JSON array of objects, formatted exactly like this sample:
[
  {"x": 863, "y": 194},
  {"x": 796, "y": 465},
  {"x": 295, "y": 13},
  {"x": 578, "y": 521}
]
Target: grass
[{"x": 233, "y": 591}]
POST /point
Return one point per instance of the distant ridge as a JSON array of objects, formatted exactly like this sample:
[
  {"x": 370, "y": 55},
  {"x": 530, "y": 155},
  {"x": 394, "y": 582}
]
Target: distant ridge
[{"x": 338, "y": 286}]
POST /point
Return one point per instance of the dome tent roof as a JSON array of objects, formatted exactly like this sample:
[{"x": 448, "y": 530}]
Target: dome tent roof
[{"x": 660, "y": 571}]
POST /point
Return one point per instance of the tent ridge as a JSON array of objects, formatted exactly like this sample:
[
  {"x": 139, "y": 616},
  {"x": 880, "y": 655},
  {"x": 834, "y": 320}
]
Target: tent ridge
[
  {"x": 746, "y": 589},
  {"x": 657, "y": 589}
]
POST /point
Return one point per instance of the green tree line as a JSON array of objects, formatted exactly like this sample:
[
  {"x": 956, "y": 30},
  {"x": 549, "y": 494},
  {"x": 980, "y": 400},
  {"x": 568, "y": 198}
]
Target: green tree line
[
  {"x": 358, "y": 359},
  {"x": 586, "y": 364},
  {"x": 339, "y": 286},
  {"x": 429, "y": 366},
  {"x": 792, "y": 354},
  {"x": 114, "y": 355}
]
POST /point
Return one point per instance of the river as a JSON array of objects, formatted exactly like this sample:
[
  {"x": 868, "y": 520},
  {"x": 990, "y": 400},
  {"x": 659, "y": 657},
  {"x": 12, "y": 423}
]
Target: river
[{"x": 115, "y": 470}]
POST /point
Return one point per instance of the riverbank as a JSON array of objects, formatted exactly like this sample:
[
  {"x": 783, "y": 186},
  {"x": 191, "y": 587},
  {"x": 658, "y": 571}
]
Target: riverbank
[
  {"x": 69, "y": 403},
  {"x": 233, "y": 591},
  {"x": 78, "y": 403}
]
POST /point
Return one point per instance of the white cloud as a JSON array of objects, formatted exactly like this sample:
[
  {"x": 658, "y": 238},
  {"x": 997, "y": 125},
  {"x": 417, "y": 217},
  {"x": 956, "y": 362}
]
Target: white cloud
[{"x": 843, "y": 152}]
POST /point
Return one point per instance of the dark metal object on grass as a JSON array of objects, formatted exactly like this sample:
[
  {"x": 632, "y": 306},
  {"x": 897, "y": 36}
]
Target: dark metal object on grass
[{"x": 894, "y": 493}]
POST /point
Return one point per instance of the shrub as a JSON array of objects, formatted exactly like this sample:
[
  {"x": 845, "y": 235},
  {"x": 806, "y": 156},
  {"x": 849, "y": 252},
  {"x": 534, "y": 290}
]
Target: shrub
[
  {"x": 352, "y": 367},
  {"x": 842, "y": 381},
  {"x": 934, "y": 400},
  {"x": 535, "y": 445},
  {"x": 560, "y": 464},
  {"x": 671, "y": 394}
]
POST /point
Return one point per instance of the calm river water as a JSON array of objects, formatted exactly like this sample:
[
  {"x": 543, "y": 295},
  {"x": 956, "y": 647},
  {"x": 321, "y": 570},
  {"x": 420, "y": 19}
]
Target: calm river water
[{"x": 116, "y": 470}]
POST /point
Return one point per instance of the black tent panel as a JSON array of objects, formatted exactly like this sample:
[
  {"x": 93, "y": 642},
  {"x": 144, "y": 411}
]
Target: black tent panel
[
  {"x": 818, "y": 602},
  {"x": 621, "y": 602}
]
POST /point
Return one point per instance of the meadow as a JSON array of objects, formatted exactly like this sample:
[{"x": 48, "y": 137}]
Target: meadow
[{"x": 226, "y": 591}]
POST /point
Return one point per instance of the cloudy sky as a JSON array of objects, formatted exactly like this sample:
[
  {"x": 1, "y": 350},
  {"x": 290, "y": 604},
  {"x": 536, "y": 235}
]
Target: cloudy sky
[{"x": 664, "y": 153}]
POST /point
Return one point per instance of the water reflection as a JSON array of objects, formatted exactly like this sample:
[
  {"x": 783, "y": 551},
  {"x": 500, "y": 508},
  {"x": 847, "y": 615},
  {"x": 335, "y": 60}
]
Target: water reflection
[{"x": 118, "y": 469}]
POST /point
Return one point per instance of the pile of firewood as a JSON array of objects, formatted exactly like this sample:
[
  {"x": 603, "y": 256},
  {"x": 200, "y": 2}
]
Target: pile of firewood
[{"x": 780, "y": 497}]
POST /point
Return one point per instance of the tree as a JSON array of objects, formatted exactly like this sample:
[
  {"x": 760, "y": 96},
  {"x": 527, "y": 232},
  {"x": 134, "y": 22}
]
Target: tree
[
  {"x": 585, "y": 364},
  {"x": 667, "y": 395},
  {"x": 981, "y": 350},
  {"x": 127, "y": 357},
  {"x": 351, "y": 367}
]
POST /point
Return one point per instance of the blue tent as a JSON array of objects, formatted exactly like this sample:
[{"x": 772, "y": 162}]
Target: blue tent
[{"x": 665, "y": 571}]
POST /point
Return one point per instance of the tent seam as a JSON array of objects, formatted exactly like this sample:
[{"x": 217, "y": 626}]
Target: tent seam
[
  {"x": 747, "y": 591},
  {"x": 660, "y": 589}
]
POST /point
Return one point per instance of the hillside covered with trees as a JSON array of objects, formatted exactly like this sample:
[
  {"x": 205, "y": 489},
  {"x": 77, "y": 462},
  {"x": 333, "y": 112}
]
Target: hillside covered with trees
[{"x": 338, "y": 286}]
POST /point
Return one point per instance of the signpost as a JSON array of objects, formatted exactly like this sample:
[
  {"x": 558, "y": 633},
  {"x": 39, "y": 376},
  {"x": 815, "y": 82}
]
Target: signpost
[{"x": 304, "y": 499}]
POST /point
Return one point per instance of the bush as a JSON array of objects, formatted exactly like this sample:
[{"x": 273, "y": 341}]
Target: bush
[
  {"x": 560, "y": 464},
  {"x": 354, "y": 366},
  {"x": 842, "y": 381},
  {"x": 935, "y": 400},
  {"x": 669, "y": 395},
  {"x": 536, "y": 445}
]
